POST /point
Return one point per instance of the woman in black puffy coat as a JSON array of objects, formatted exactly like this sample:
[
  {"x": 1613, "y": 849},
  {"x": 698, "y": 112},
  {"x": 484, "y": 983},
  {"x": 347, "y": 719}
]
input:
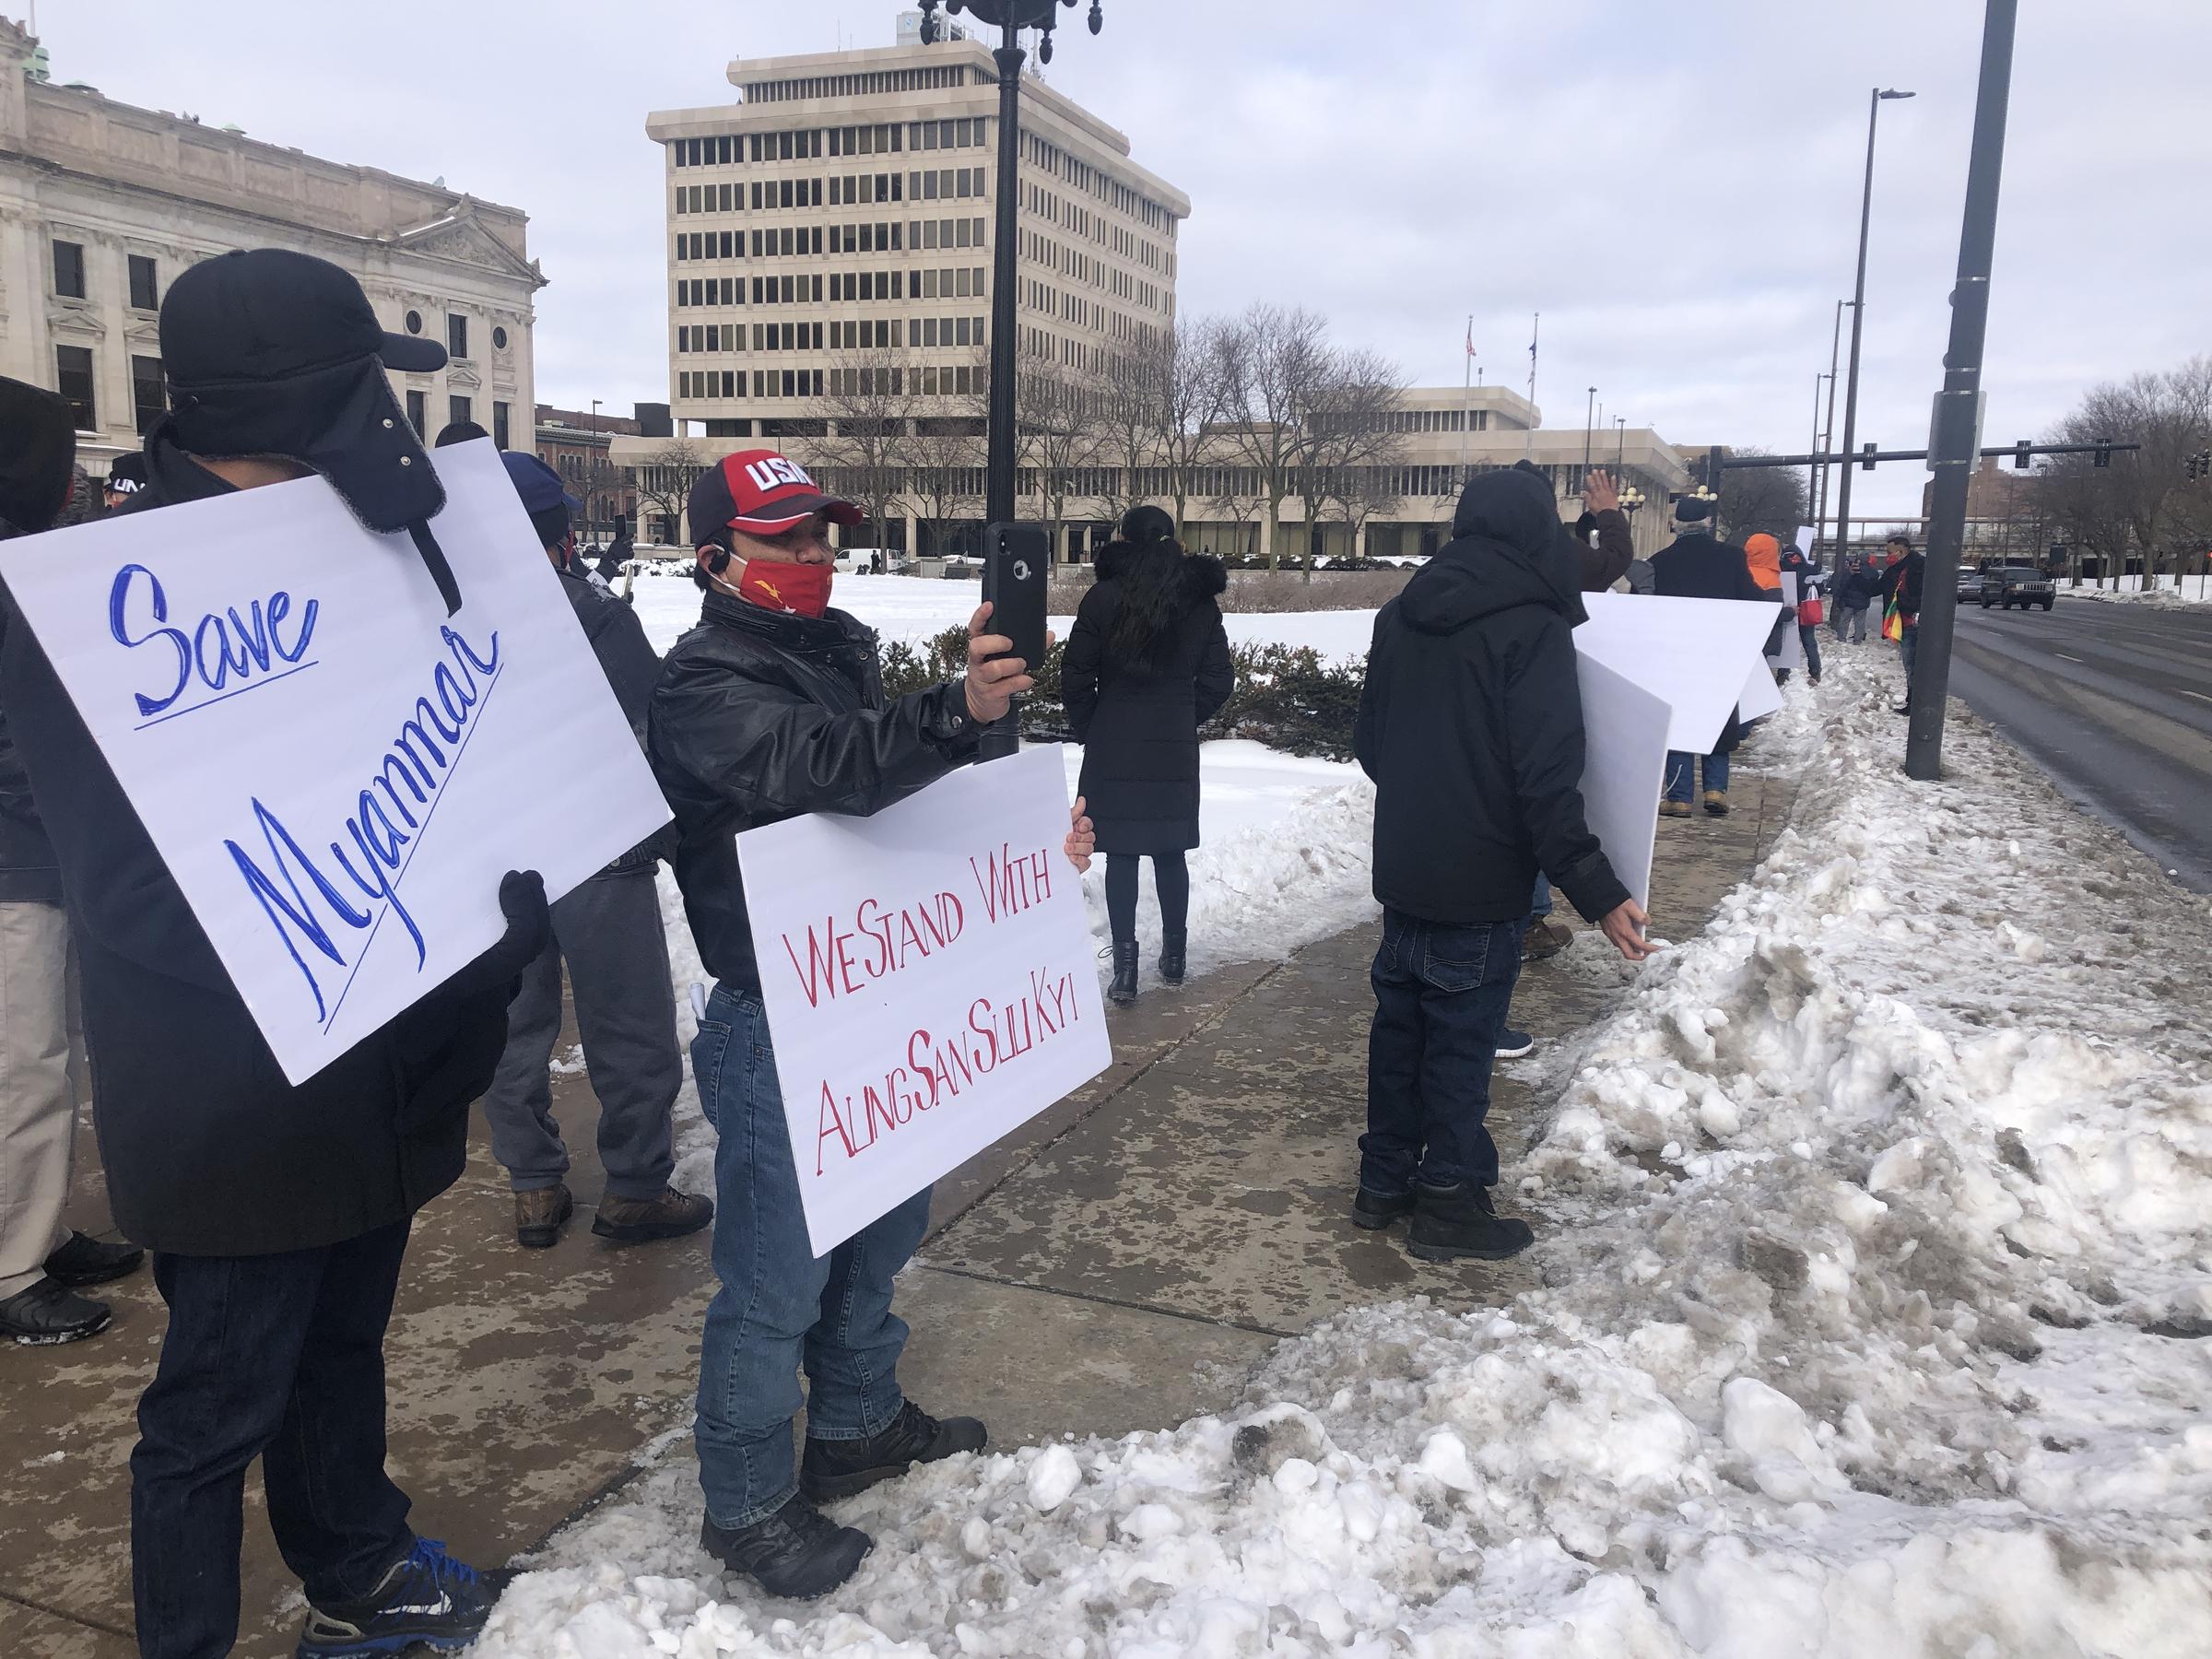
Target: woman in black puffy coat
[{"x": 1148, "y": 664}]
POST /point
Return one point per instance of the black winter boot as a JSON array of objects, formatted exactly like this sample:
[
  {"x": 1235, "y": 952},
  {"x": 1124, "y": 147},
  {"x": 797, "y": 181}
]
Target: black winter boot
[
  {"x": 799, "y": 1551},
  {"x": 1171, "y": 958},
  {"x": 1375, "y": 1211},
  {"x": 1122, "y": 991},
  {"x": 1453, "y": 1222},
  {"x": 840, "y": 1469}
]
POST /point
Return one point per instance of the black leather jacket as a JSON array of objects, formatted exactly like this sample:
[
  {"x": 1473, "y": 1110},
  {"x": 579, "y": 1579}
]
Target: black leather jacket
[{"x": 760, "y": 716}]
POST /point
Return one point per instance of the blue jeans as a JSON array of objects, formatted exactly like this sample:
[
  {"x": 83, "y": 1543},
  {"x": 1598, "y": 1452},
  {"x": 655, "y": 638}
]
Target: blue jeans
[
  {"x": 1682, "y": 774},
  {"x": 1539, "y": 904},
  {"x": 1810, "y": 637},
  {"x": 280, "y": 1357},
  {"x": 1908, "y": 651},
  {"x": 1441, "y": 993},
  {"x": 781, "y": 1307}
]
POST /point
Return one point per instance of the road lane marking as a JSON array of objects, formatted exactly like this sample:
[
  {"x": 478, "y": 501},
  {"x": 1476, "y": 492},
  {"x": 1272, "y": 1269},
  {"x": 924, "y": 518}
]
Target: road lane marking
[
  {"x": 2199, "y": 695},
  {"x": 2070, "y": 659}
]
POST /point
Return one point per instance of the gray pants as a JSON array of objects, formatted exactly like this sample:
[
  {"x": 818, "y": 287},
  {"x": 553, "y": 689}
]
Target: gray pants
[
  {"x": 38, "y": 1098},
  {"x": 1851, "y": 624},
  {"x": 608, "y": 931}
]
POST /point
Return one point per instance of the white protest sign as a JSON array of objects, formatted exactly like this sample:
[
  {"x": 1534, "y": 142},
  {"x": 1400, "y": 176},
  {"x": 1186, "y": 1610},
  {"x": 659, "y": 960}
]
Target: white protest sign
[
  {"x": 1624, "y": 768},
  {"x": 1792, "y": 654},
  {"x": 1760, "y": 696},
  {"x": 1696, "y": 655},
  {"x": 336, "y": 772},
  {"x": 930, "y": 981}
]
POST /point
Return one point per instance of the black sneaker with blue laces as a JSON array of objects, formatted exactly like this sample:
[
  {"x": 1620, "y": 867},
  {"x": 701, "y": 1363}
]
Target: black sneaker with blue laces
[{"x": 429, "y": 1599}]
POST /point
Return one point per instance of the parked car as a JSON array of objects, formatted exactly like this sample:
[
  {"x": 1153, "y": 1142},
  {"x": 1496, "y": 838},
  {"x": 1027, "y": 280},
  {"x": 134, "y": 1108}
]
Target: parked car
[
  {"x": 2018, "y": 584},
  {"x": 1970, "y": 585}
]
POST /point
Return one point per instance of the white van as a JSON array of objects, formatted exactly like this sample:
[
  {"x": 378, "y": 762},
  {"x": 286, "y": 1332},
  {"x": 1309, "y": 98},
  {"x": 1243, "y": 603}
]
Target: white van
[{"x": 859, "y": 561}]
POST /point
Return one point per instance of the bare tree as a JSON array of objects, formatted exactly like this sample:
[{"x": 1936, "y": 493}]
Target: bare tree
[
  {"x": 1274, "y": 359},
  {"x": 1193, "y": 390},
  {"x": 664, "y": 482},
  {"x": 1056, "y": 426},
  {"x": 1347, "y": 436},
  {"x": 1130, "y": 407},
  {"x": 1768, "y": 498},
  {"x": 945, "y": 457},
  {"x": 870, "y": 401},
  {"x": 2144, "y": 501}
]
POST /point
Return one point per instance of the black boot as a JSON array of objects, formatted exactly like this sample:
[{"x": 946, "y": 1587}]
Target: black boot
[
  {"x": 799, "y": 1551},
  {"x": 1122, "y": 991},
  {"x": 1453, "y": 1222},
  {"x": 834, "y": 1469},
  {"x": 1375, "y": 1211},
  {"x": 1171, "y": 959},
  {"x": 49, "y": 1313},
  {"x": 86, "y": 1261}
]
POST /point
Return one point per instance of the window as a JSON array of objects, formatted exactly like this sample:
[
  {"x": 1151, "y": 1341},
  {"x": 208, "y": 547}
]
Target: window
[
  {"x": 413, "y": 322},
  {"x": 419, "y": 414},
  {"x": 73, "y": 379},
  {"x": 148, "y": 401},
  {"x": 456, "y": 410},
  {"x": 456, "y": 335},
  {"x": 69, "y": 272},
  {"x": 499, "y": 339},
  {"x": 498, "y": 425},
  {"x": 145, "y": 296}
]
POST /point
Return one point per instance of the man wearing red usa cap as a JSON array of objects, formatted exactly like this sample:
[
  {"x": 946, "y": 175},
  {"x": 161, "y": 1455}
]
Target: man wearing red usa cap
[{"x": 771, "y": 707}]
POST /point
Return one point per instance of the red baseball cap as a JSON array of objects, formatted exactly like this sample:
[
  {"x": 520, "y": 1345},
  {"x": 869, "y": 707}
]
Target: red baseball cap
[{"x": 762, "y": 492}]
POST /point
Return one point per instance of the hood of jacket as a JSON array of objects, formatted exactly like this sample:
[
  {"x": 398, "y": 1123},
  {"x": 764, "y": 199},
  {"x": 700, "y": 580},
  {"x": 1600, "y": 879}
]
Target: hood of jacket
[
  {"x": 1507, "y": 549},
  {"x": 1762, "y": 554}
]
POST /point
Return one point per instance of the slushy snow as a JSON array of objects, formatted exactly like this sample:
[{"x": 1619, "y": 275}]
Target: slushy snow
[{"x": 1876, "y": 1245}]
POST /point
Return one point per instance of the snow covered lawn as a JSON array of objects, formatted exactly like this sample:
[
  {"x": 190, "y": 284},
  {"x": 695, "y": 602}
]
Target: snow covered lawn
[
  {"x": 2172, "y": 593},
  {"x": 1876, "y": 1238}
]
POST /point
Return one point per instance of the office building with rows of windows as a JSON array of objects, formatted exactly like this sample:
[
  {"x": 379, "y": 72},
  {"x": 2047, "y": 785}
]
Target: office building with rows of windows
[
  {"x": 102, "y": 204},
  {"x": 846, "y": 205}
]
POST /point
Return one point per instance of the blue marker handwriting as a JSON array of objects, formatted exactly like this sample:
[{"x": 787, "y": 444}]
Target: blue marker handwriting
[
  {"x": 221, "y": 647},
  {"x": 334, "y": 907}
]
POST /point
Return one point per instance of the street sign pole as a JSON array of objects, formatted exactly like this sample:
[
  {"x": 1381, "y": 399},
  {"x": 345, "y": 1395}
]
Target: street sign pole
[{"x": 1956, "y": 435}]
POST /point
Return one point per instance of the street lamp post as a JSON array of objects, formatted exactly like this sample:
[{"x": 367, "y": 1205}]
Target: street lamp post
[
  {"x": 1858, "y": 316},
  {"x": 1812, "y": 472},
  {"x": 1827, "y": 431},
  {"x": 1589, "y": 416}
]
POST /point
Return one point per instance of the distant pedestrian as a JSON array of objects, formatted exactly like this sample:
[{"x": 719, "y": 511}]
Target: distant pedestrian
[
  {"x": 1148, "y": 663},
  {"x": 1855, "y": 591},
  {"x": 1697, "y": 565},
  {"x": 609, "y": 934},
  {"x": 1471, "y": 725},
  {"x": 1900, "y": 591},
  {"x": 126, "y": 477},
  {"x": 1810, "y": 587},
  {"x": 43, "y": 1263}
]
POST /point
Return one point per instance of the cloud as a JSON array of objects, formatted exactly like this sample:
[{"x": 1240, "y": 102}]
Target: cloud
[{"x": 1675, "y": 186}]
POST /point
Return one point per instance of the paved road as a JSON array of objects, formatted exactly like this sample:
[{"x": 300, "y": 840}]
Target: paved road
[{"x": 2116, "y": 702}]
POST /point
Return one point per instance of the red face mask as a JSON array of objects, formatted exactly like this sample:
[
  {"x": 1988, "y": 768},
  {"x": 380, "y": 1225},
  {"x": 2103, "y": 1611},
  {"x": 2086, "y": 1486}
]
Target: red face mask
[{"x": 799, "y": 589}]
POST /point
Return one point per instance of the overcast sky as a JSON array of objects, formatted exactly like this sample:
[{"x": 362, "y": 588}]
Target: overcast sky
[{"x": 1674, "y": 184}]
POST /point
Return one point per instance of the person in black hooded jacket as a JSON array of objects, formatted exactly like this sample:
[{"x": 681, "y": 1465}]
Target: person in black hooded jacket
[
  {"x": 1148, "y": 663},
  {"x": 1471, "y": 727},
  {"x": 277, "y": 1214}
]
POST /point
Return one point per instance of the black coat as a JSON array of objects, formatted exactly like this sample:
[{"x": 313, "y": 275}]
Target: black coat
[
  {"x": 1138, "y": 722},
  {"x": 1700, "y": 566},
  {"x": 760, "y": 716},
  {"x": 1471, "y": 721},
  {"x": 207, "y": 1149},
  {"x": 39, "y": 448},
  {"x": 1902, "y": 582}
]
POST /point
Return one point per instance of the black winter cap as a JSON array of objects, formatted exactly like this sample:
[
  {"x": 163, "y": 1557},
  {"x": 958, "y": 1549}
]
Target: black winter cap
[
  {"x": 1141, "y": 525},
  {"x": 38, "y": 446},
  {"x": 270, "y": 352}
]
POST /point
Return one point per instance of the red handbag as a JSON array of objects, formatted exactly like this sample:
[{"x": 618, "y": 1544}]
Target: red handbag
[{"x": 1808, "y": 613}]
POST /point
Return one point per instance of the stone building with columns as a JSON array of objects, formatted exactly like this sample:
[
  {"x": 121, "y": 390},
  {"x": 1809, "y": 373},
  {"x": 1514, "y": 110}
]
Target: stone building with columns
[{"x": 102, "y": 203}]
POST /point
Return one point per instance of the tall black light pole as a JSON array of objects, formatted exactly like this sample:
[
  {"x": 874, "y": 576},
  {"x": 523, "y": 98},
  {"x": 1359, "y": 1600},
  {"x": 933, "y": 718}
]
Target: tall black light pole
[
  {"x": 1952, "y": 450},
  {"x": 1828, "y": 431},
  {"x": 1858, "y": 315},
  {"x": 1011, "y": 16},
  {"x": 1003, "y": 737},
  {"x": 1588, "y": 414}
]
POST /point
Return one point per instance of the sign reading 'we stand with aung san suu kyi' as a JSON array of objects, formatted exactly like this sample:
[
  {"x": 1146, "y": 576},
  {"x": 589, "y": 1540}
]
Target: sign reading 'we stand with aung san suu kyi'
[{"x": 335, "y": 772}]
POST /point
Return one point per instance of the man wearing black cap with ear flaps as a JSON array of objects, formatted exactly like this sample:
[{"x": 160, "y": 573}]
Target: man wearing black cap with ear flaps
[{"x": 277, "y": 1214}]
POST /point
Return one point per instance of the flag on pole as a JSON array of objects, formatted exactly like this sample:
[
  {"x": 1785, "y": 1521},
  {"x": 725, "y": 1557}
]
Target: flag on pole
[
  {"x": 1893, "y": 620},
  {"x": 1470, "y": 336}
]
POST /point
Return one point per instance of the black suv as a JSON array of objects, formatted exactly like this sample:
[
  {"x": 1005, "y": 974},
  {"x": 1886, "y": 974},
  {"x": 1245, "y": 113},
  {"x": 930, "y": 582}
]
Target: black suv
[{"x": 2018, "y": 584}]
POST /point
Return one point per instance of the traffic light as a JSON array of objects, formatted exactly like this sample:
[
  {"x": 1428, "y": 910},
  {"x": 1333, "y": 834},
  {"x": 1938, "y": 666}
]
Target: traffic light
[
  {"x": 2104, "y": 454},
  {"x": 1866, "y": 458},
  {"x": 2200, "y": 464},
  {"x": 2023, "y": 454}
]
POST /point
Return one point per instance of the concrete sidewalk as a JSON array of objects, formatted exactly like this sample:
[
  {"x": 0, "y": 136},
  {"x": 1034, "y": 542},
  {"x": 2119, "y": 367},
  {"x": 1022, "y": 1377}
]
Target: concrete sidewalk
[{"x": 1117, "y": 1267}]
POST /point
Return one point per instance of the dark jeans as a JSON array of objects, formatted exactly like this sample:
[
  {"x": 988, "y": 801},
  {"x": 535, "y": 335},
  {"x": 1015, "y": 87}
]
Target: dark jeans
[
  {"x": 780, "y": 1306},
  {"x": 1682, "y": 774},
  {"x": 1170, "y": 879},
  {"x": 1908, "y": 650},
  {"x": 1808, "y": 635},
  {"x": 609, "y": 933},
  {"x": 280, "y": 1357},
  {"x": 1441, "y": 993}
]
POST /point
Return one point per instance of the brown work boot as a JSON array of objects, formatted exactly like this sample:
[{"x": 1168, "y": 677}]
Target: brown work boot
[
  {"x": 668, "y": 1214},
  {"x": 1675, "y": 809},
  {"x": 539, "y": 1215},
  {"x": 1546, "y": 938},
  {"x": 1716, "y": 802}
]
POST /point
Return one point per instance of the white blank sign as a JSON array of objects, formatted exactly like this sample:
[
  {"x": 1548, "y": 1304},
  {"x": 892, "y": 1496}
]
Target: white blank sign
[
  {"x": 1696, "y": 655},
  {"x": 1624, "y": 768},
  {"x": 337, "y": 773}
]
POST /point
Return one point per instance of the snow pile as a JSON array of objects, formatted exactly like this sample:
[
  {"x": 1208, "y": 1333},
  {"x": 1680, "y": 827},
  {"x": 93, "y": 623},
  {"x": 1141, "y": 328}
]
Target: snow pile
[
  {"x": 1878, "y": 1251},
  {"x": 2172, "y": 593}
]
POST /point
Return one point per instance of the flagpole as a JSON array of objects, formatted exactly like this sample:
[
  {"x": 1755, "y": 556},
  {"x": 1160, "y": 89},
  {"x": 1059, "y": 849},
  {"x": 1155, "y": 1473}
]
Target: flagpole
[
  {"x": 1467, "y": 399},
  {"x": 1535, "y": 325}
]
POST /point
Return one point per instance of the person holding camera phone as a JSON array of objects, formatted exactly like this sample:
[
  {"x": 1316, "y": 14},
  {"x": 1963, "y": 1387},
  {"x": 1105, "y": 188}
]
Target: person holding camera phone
[
  {"x": 1148, "y": 664},
  {"x": 771, "y": 707}
]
